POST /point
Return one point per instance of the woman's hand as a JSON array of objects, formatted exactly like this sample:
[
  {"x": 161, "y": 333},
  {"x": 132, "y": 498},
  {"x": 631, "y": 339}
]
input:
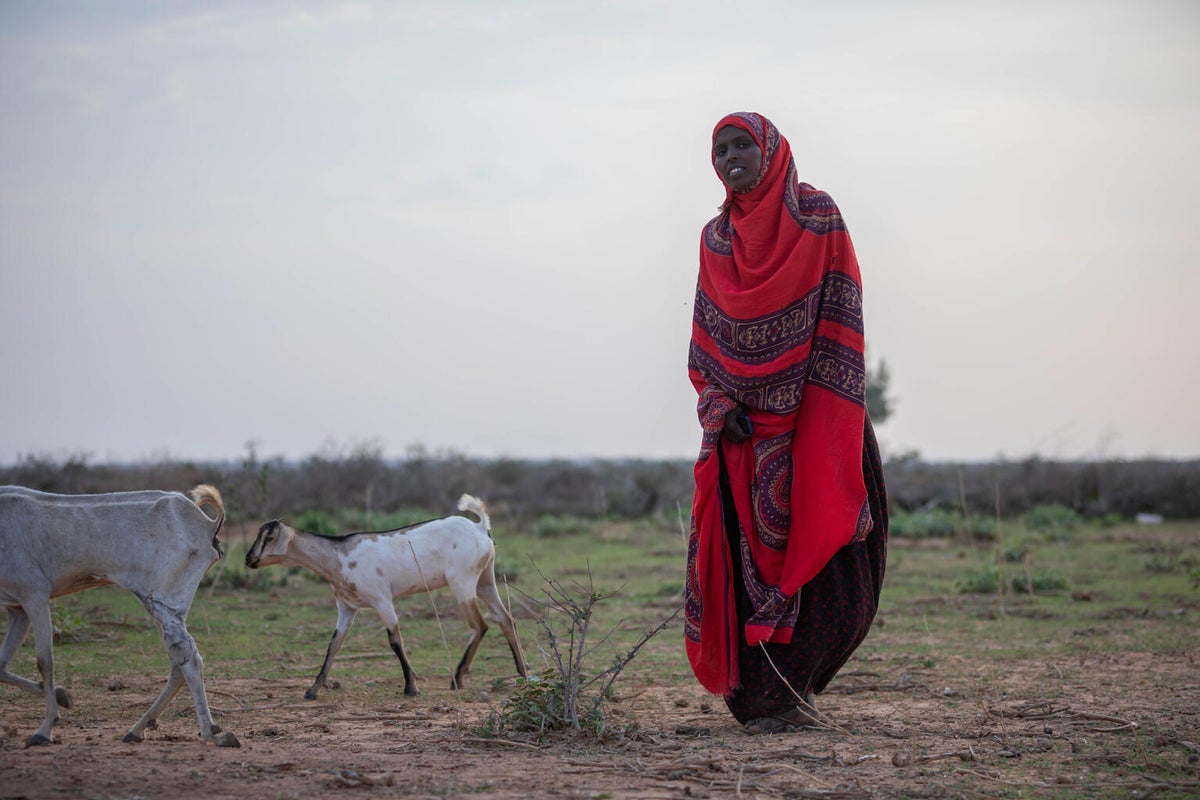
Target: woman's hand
[{"x": 737, "y": 426}]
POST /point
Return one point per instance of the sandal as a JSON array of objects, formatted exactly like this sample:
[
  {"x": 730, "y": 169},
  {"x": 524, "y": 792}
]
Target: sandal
[{"x": 783, "y": 722}]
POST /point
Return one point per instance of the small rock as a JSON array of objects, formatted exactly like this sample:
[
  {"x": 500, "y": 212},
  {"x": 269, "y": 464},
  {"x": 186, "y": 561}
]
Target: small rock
[
  {"x": 116, "y": 685},
  {"x": 692, "y": 730}
]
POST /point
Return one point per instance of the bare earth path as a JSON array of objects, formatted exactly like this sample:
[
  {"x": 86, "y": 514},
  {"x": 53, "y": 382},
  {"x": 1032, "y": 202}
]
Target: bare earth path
[{"x": 1126, "y": 725}]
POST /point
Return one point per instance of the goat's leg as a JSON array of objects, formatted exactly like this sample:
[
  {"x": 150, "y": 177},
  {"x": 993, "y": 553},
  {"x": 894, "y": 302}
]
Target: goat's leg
[
  {"x": 149, "y": 720},
  {"x": 387, "y": 613},
  {"x": 486, "y": 591},
  {"x": 185, "y": 657},
  {"x": 18, "y": 629},
  {"x": 397, "y": 643},
  {"x": 43, "y": 637},
  {"x": 345, "y": 618},
  {"x": 470, "y": 612}
]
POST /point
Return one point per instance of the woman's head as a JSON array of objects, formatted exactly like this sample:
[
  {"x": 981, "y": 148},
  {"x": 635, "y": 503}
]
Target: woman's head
[
  {"x": 744, "y": 146},
  {"x": 736, "y": 157}
]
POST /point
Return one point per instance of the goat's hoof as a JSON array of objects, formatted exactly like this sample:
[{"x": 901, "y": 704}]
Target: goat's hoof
[
  {"x": 311, "y": 694},
  {"x": 62, "y": 696},
  {"x": 225, "y": 739},
  {"x": 37, "y": 740},
  {"x": 132, "y": 738}
]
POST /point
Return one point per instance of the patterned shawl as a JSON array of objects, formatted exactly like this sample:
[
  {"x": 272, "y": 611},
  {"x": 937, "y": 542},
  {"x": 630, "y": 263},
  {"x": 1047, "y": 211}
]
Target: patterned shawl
[{"x": 777, "y": 329}]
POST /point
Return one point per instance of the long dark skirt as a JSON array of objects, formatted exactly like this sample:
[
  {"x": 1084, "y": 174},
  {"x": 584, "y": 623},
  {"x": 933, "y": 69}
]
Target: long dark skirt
[{"x": 836, "y": 611}]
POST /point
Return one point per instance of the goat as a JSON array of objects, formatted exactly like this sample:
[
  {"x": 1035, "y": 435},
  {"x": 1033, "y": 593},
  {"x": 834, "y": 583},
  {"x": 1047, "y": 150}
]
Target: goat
[
  {"x": 370, "y": 570},
  {"x": 158, "y": 545}
]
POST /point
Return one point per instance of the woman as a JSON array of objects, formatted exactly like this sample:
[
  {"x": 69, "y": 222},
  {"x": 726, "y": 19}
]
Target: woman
[{"x": 789, "y": 524}]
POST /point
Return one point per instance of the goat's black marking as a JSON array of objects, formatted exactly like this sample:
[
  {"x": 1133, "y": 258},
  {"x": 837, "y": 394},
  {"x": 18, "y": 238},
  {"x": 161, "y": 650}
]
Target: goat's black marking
[{"x": 341, "y": 537}]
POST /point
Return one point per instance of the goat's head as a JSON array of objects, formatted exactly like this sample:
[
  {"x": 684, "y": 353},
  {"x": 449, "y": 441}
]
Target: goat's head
[{"x": 271, "y": 544}]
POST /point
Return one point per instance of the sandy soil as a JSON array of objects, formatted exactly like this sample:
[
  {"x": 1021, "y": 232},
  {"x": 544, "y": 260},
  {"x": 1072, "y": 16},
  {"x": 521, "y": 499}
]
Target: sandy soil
[{"x": 1120, "y": 726}]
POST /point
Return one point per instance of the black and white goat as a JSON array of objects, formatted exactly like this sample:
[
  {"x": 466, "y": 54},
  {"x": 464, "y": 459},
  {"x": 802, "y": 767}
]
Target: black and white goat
[
  {"x": 369, "y": 570},
  {"x": 158, "y": 545}
]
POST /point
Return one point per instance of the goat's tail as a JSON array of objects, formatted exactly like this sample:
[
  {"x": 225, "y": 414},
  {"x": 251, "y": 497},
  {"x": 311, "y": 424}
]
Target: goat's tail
[
  {"x": 205, "y": 494},
  {"x": 475, "y": 506}
]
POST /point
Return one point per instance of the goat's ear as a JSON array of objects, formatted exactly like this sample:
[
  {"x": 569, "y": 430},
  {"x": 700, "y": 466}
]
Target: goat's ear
[{"x": 286, "y": 535}]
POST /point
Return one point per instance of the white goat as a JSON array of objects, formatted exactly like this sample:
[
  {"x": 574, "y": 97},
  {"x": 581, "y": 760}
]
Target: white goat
[
  {"x": 369, "y": 570},
  {"x": 158, "y": 545}
]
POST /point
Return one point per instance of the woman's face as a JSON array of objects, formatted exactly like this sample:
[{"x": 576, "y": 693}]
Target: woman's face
[{"x": 737, "y": 158}]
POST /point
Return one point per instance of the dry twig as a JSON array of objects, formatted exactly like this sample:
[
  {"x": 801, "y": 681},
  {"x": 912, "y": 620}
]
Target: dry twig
[
  {"x": 907, "y": 759},
  {"x": 1038, "y": 784},
  {"x": 501, "y": 742},
  {"x": 378, "y": 717},
  {"x": 1046, "y": 710}
]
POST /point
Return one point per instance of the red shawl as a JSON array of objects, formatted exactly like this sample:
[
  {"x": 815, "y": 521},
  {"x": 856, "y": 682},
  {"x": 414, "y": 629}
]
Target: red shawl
[{"x": 777, "y": 330}]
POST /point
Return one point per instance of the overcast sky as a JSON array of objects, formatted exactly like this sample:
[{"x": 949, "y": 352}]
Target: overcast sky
[{"x": 475, "y": 225}]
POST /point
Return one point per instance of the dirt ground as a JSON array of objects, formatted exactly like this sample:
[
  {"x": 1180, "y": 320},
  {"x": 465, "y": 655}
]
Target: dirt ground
[{"x": 1125, "y": 725}]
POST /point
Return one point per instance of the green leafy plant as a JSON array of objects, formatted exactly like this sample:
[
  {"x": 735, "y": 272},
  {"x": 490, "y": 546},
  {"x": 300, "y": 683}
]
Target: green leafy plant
[
  {"x": 940, "y": 523},
  {"x": 928, "y": 523},
  {"x": 66, "y": 625},
  {"x": 318, "y": 522},
  {"x": 1055, "y": 522},
  {"x": 1161, "y": 563},
  {"x": 982, "y": 580},
  {"x": 567, "y": 696},
  {"x": 1016, "y": 550},
  {"x": 557, "y": 525},
  {"x": 535, "y": 705},
  {"x": 1043, "y": 580}
]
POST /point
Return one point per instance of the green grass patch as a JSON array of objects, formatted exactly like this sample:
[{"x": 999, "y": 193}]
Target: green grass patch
[{"x": 1107, "y": 589}]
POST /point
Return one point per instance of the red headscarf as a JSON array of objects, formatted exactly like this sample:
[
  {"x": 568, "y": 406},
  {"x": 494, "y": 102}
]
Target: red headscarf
[{"x": 777, "y": 330}]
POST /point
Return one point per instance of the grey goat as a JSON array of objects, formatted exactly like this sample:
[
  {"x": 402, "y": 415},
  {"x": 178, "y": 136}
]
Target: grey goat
[{"x": 158, "y": 545}]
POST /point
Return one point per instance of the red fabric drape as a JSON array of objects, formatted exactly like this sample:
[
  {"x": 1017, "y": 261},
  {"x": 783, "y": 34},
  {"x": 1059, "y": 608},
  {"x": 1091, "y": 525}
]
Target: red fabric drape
[{"x": 777, "y": 330}]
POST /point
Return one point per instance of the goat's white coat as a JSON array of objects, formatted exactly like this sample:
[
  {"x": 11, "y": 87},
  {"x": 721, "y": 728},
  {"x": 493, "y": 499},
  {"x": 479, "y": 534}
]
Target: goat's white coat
[
  {"x": 158, "y": 545},
  {"x": 369, "y": 570}
]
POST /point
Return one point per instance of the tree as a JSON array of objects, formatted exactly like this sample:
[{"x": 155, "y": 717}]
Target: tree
[{"x": 879, "y": 405}]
